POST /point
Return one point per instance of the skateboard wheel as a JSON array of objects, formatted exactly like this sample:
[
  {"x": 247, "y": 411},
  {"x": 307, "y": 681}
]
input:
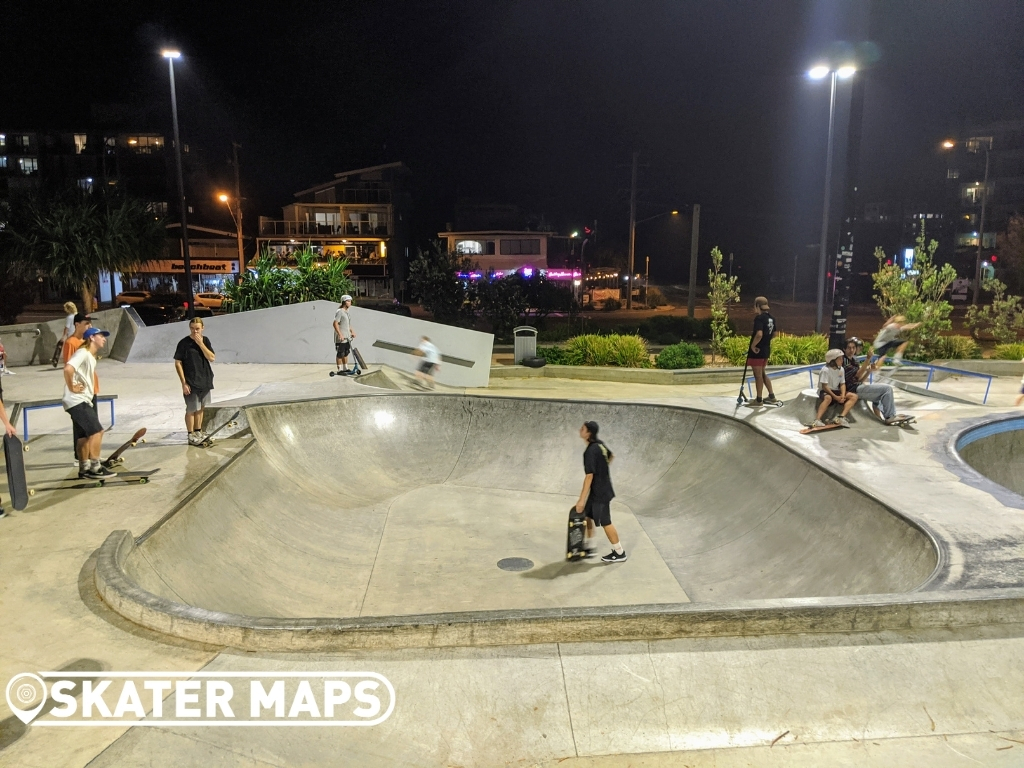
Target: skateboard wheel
[
  {"x": 26, "y": 447},
  {"x": 144, "y": 480},
  {"x": 31, "y": 491}
]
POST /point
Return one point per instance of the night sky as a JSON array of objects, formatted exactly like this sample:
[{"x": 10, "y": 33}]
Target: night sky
[{"x": 539, "y": 104}]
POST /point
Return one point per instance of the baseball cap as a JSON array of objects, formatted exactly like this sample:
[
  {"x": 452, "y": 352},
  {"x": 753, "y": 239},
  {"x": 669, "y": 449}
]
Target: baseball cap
[
  {"x": 81, "y": 317},
  {"x": 833, "y": 354},
  {"x": 345, "y": 298},
  {"x": 94, "y": 331}
]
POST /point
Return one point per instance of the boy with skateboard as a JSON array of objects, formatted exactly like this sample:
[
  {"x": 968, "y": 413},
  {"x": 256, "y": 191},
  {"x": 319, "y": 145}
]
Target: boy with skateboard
[
  {"x": 192, "y": 359},
  {"x": 832, "y": 389},
  {"x": 597, "y": 493},
  {"x": 760, "y": 350},
  {"x": 343, "y": 336},
  {"x": 79, "y": 391}
]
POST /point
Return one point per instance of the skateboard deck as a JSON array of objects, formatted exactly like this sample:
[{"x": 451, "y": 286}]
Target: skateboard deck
[
  {"x": 809, "y": 430},
  {"x": 115, "y": 458},
  {"x": 231, "y": 422},
  {"x": 901, "y": 420},
  {"x": 14, "y": 458},
  {"x": 574, "y": 549},
  {"x": 56, "y": 353},
  {"x": 84, "y": 482}
]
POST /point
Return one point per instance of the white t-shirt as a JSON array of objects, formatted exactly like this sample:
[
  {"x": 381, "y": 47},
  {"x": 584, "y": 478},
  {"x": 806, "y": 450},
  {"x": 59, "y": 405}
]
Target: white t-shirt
[
  {"x": 890, "y": 332},
  {"x": 830, "y": 377},
  {"x": 341, "y": 318},
  {"x": 69, "y": 325},
  {"x": 430, "y": 353},
  {"x": 85, "y": 369}
]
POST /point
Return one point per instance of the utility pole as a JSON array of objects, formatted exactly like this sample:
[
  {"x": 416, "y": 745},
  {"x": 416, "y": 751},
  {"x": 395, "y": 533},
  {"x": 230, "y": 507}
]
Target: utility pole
[
  {"x": 730, "y": 265},
  {"x": 981, "y": 227},
  {"x": 826, "y": 208},
  {"x": 796, "y": 259},
  {"x": 186, "y": 253},
  {"x": 632, "y": 232},
  {"x": 647, "y": 281},
  {"x": 235, "y": 146},
  {"x": 691, "y": 299}
]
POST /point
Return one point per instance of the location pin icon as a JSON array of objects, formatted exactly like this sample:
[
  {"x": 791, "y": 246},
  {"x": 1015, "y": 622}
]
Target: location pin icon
[{"x": 22, "y": 690}]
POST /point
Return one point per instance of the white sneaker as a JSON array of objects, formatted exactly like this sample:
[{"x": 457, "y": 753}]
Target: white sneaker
[
  {"x": 841, "y": 421},
  {"x": 194, "y": 438},
  {"x": 817, "y": 423}
]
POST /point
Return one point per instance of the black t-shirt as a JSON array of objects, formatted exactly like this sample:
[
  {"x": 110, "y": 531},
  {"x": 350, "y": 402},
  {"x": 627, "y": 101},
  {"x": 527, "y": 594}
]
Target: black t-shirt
[
  {"x": 764, "y": 323},
  {"x": 850, "y": 368},
  {"x": 198, "y": 372},
  {"x": 595, "y": 462}
]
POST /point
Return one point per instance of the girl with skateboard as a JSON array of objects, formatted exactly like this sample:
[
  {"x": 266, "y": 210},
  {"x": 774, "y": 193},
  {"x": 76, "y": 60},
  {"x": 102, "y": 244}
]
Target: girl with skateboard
[{"x": 597, "y": 493}]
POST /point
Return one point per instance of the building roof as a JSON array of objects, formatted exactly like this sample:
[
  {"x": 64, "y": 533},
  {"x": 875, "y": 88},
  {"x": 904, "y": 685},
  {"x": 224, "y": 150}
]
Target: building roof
[{"x": 346, "y": 174}]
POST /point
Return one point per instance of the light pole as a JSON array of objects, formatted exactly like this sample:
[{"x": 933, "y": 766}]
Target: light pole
[
  {"x": 171, "y": 55},
  {"x": 817, "y": 73},
  {"x": 632, "y": 237},
  {"x": 235, "y": 209}
]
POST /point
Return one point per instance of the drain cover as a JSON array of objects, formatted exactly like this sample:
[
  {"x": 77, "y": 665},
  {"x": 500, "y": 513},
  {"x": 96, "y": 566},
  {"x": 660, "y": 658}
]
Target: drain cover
[{"x": 515, "y": 564}]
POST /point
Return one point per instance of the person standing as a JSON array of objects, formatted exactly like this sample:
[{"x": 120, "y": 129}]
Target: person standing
[
  {"x": 192, "y": 359},
  {"x": 79, "y": 393},
  {"x": 597, "y": 493},
  {"x": 343, "y": 335},
  {"x": 431, "y": 362},
  {"x": 9, "y": 431},
  {"x": 761, "y": 348},
  {"x": 70, "y": 310},
  {"x": 80, "y": 323}
]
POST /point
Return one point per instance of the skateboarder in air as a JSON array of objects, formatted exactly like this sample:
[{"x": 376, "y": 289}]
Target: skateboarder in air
[
  {"x": 832, "y": 389},
  {"x": 343, "y": 335},
  {"x": 8, "y": 430},
  {"x": 192, "y": 359},
  {"x": 431, "y": 362},
  {"x": 597, "y": 494},
  {"x": 760, "y": 348},
  {"x": 878, "y": 395},
  {"x": 79, "y": 383},
  {"x": 892, "y": 337}
]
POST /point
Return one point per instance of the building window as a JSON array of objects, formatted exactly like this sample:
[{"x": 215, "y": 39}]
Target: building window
[
  {"x": 159, "y": 207},
  {"x": 3, "y": 161},
  {"x": 530, "y": 247},
  {"x": 146, "y": 145},
  {"x": 972, "y": 195},
  {"x": 191, "y": 209},
  {"x": 80, "y": 142},
  {"x": 953, "y": 173},
  {"x": 330, "y": 221},
  {"x": 28, "y": 165},
  {"x": 989, "y": 240},
  {"x": 3, "y": 141},
  {"x": 978, "y": 143},
  {"x": 967, "y": 238},
  {"x": 22, "y": 140},
  {"x": 469, "y": 246}
]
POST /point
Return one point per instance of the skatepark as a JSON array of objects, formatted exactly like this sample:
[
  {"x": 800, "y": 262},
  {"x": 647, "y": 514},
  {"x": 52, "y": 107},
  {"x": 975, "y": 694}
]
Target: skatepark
[{"x": 851, "y": 597}]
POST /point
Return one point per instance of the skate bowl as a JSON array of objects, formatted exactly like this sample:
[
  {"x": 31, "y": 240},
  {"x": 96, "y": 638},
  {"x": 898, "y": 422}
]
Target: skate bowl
[
  {"x": 995, "y": 450},
  {"x": 380, "y": 521}
]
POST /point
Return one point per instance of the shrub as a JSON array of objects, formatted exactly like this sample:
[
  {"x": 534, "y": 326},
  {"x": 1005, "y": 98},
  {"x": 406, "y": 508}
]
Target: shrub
[
  {"x": 722, "y": 291},
  {"x": 625, "y": 351},
  {"x": 558, "y": 356},
  {"x": 630, "y": 352},
  {"x": 611, "y": 305},
  {"x": 786, "y": 349},
  {"x": 1003, "y": 318},
  {"x": 1009, "y": 352},
  {"x": 655, "y": 298},
  {"x": 735, "y": 349},
  {"x": 955, "y": 348},
  {"x": 682, "y": 355}
]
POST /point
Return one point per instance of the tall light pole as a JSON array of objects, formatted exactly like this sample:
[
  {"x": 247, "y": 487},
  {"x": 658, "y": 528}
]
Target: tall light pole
[
  {"x": 817, "y": 73},
  {"x": 632, "y": 232},
  {"x": 171, "y": 55}
]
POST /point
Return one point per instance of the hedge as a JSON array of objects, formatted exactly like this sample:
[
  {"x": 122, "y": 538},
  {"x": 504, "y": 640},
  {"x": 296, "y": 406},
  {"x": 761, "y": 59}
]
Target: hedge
[{"x": 681, "y": 355}]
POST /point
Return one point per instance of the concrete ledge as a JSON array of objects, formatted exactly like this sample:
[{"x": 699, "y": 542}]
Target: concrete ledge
[
  {"x": 871, "y": 613},
  {"x": 991, "y": 367},
  {"x": 627, "y": 375}
]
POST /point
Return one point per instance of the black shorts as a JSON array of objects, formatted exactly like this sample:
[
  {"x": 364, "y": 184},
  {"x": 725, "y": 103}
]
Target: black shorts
[
  {"x": 889, "y": 346},
  {"x": 342, "y": 348},
  {"x": 427, "y": 368},
  {"x": 76, "y": 431},
  {"x": 599, "y": 511},
  {"x": 85, "y": 420}
]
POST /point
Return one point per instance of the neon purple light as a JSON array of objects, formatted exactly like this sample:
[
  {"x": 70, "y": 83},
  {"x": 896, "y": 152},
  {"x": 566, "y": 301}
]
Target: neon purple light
[{"x": 564, "y": 274}]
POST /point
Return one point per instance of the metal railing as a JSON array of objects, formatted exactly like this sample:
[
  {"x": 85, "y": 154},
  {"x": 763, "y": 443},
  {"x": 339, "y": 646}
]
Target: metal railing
[{"x": 375, "y": 226}]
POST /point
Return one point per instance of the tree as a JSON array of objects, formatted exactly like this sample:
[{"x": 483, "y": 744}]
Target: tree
[
  {"x": 916, "y": 293},
  {"x": 267, "y": 283},
  {"x": 502, "y": 302},
  {"x": 440, "y": 280},
  {"x": 722, "y": 291},
  {"x": 73, "y": 236},
  {"x": 1004, "y": 317}
]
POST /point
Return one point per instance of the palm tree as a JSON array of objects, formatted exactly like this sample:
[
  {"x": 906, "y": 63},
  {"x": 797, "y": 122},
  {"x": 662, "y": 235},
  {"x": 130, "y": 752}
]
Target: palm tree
[{"x": 73, "y": 236}]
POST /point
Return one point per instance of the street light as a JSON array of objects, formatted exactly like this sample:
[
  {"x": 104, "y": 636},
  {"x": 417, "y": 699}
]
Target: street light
[
  {"x": 235, "y": 209},
  {"x": 949, "y": 144},
  {"x": 819, "y": 72},
  {"x": 171, "y": 55},
  {"x": 632, "y": 238}
]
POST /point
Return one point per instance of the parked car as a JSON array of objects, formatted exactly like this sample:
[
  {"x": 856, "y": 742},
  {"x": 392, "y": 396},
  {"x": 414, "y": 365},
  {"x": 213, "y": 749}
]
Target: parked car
[
  {"x": 211, "y": 300},
  {"x": 162, "y": 308},
  {"x": 131, "y": 297}
]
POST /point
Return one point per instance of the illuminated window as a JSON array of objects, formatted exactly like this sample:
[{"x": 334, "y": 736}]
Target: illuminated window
[
  {"x": 3, "y": 141},
  {"x": 3, "y": 161},
  {"x": 80, "y": 142},
  {"x": 145, "y": 145},
  {"x": 159, "y": 207},
  {"x": 469, "y": 246},
  {"x": 28, "y": 165},
  {"x": 967, "y": 238},
  {"x": 22, "y": 140},
  {"x": 953, "y": 173}
]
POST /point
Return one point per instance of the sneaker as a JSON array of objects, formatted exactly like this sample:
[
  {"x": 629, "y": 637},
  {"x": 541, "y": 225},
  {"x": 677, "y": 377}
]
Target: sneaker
[
  {"x": 758, "y": 401},
  {"x": 771, "y": 400},
  {"x": 817, "y": 423},
  {"x": 203, "y": 437},
  {"x": 841, "y": 421},
  {"x": 614, "y": 557},
  {"x": 99, "y": 473},
  {"x": 194, "y": 438},
  {"x": 2, "y": 513}
]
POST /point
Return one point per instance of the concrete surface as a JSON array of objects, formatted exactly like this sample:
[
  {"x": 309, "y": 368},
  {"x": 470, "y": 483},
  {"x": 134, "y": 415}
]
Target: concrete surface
[
  {"x": 303, "y": 333},
  {"x": 996, "y": 450}
]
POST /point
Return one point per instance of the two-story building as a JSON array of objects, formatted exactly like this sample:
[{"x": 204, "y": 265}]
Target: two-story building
[{"x": 360, "y": 215}]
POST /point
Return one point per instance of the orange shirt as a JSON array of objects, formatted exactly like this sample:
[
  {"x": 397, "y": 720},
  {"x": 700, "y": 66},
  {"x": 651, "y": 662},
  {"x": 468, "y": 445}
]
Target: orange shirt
[{"x": 71, "y": 346}]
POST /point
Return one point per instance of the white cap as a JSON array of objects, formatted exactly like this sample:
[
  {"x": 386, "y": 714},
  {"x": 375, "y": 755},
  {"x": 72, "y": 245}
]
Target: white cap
[
  {"x": 833, "y": 354},
  {"x": 345, "y": 298}
]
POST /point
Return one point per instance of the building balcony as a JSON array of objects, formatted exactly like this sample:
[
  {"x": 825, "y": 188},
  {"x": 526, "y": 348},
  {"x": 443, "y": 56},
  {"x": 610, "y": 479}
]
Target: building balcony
[{"x": 366, "y": 225}]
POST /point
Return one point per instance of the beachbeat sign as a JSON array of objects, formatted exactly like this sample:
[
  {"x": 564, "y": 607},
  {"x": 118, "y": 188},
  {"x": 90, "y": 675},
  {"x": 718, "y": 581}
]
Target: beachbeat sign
[{"x": 199, "y": 267}]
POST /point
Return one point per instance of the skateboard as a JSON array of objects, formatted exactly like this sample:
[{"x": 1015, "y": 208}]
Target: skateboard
[
  {"x": 115, "y": 459},
  {"x": 809, "y": 430},
  {"x": 139, "y": 478},
  {"x": 755, "y": 404},
  {"x": 56, "y": 353},
  {"x": 231, "y": 422},
  {"x": 14, "y": 458},
  {"x": 901, "y": 420},
  {"x": 574, "y": 549}
]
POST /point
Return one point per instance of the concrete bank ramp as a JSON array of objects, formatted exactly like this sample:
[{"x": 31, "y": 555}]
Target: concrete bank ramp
[
  {"x": 996, "y": 451},
  {"x": 404, "y": 504}
]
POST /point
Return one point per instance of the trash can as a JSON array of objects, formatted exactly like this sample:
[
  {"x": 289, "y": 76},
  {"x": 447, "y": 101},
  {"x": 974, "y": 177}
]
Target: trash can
[{"x": 526, "y": 343}]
